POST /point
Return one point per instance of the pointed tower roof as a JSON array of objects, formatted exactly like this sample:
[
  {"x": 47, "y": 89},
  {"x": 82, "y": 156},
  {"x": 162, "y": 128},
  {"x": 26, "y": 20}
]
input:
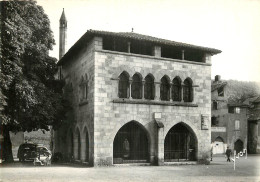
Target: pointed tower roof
[{"x": 63, "y": 17}]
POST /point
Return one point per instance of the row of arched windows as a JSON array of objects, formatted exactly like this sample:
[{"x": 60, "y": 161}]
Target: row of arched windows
[{"x": 169, "y": 90}]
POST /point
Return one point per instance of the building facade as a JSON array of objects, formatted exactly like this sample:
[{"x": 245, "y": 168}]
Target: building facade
[
  {"x": 228, "y": 120},
  {"x": 254, "y": 125},
  {"x": 135, "y": 99}
]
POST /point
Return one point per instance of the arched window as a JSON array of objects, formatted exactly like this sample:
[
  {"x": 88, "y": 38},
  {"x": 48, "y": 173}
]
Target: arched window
[
  {"x": 187, "y": 90},
  {"x": 136, "y": 87},
  {"x": 84, "y": 88},
  {"x": 176, "y": 89},
  {"x": 123, "y": 85},
  {"x": 149, "y": 88},
  {"x": 165, "y": 89}
]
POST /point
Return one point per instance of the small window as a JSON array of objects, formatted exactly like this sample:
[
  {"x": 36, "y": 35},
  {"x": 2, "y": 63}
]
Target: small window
[
  {"x": 230, "y": 109},
  {"x": 214, "y": 121},
  {"x": 221, "y": 92},
  {"x": 215, "y": 105},
  {"x": 149, "y": 90},
  {"x": 165, "y": 89},
  {"x": 187, "y": 91},
  {"x": 176, "y": 89},
  {"x": 237, "y": 110},
  {"x": 86, "y": 91},
  {"x": 237, "y": 125},
  {"x": 123, "y": 85},
  {"x": 234, "y": 110},
  {"x": 84, "y": 88},
  {"x": 136, "y": 87}
]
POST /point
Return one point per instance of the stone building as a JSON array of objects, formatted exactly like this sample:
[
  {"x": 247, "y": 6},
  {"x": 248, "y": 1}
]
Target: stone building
[
  {"x": 254, "y": 125},
  {"x": 228, "y": 120},
  {"x": 136, "y": 99}
]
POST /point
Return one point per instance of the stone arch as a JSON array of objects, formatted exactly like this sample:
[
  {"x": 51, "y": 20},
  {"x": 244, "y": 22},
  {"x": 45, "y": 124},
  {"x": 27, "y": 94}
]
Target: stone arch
[
  {"x": 131, "y": 143},
  {"x": 123, "y": 68},
  {"x": 86, "y": 146},
  {"x": 123, "y": 85},
  {"x": 176, "y": 89},
  {"x": 238, "y": 145},
  {"x": 218, "y": 145},
  {"x": 77, "y": 142},
  {"x": 188, "y": 90},
  {"x": 180, "y": 143},
  {"x": 165, "y": 88},
  {"x": 136, "y": 86},
  {"x": 220, "y": 139},
  {"x": 149, "y": 87},
  {"x": 139, "y": 74},
  {"x": 70, "y": 144}
]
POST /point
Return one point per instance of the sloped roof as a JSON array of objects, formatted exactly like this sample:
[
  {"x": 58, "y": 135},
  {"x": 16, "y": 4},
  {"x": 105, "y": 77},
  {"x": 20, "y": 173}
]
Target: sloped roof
[
  {"x": 251, "y": 100},
  {"x": 254, "y": 115},
  {"x": 63, "y": 17},
  {"x": 257, "y": 100},
  {"x": 133, "y": 36},
  {"x": 217, "y": 85},
  {"x": 254, "y": 112},
  {"x": 136, "y": 36},
  {"x": 233, "y": 104}
]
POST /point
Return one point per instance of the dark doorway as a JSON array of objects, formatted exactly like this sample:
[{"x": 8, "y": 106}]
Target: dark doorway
[
  {"x": 70, "y": 146},
  {"x": 131, "y": 144},
  {"x": 238, "y": 146},
  {"x": 79, "y": 144},
  {"x": 180, "y": 144},
  {"x": 87, "y": 145}
]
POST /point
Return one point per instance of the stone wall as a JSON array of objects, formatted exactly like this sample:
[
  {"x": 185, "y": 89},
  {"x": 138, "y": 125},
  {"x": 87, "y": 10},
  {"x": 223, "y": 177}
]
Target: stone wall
[
  {"x": 111, "y": 114},
  {"x": 82, "y": 65},
  {"x": 227, "y": 120}
]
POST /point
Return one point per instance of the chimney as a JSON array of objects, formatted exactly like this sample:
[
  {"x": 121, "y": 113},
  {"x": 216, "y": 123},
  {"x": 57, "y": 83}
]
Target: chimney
[{"x": 217, "y": 78}]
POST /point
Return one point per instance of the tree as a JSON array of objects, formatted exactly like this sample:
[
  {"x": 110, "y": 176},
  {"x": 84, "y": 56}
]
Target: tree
[
  {"x": 31, "y": 97},
  {"x": 239, "y": 91}
]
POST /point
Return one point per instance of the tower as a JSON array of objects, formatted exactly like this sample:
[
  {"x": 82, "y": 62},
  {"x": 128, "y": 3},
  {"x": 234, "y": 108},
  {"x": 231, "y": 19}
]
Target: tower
[{"x": 63, "y": 34}]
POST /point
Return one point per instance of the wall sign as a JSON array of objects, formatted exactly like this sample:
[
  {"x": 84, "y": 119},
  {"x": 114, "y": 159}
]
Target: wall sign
[
  {"x": 157, "y": 115},
  {"x": 218, "y": 129},
  {"x": 204, "y": 122}
]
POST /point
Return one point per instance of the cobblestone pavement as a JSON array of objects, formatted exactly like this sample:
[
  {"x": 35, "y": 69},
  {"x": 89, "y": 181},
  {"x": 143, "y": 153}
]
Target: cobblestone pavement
[{"x": 219, "y": 170}]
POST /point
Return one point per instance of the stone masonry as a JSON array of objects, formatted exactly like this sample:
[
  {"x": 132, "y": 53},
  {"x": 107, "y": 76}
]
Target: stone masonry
[{"x": 103, "y": 113}]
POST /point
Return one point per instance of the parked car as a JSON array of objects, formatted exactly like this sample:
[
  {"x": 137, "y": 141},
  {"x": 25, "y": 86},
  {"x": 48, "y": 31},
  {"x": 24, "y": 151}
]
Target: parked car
[
  {"x": 27, "y": 151},
  {"x": 39, "y": 154}
]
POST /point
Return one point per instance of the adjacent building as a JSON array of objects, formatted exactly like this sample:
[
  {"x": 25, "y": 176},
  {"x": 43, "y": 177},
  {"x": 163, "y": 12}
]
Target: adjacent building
[
  {"x": 228, "y": 120},
  {"x": 135, "y": 99},
  {"x": 254, "y": 125}
]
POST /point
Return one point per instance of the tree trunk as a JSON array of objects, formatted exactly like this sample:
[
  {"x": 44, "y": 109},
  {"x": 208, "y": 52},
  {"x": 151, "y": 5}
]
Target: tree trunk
[{"x": 7, "y": 146}]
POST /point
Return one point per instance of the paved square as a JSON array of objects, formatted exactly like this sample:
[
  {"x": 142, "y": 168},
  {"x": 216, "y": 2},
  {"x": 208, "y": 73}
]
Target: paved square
[{"x": 218, "y": 170}]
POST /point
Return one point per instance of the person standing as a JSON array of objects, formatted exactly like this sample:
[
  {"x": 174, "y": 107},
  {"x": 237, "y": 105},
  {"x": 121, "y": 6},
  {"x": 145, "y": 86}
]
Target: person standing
[
  {"x": 126, "y": 149},
  {"x": 228, "y": 154}
]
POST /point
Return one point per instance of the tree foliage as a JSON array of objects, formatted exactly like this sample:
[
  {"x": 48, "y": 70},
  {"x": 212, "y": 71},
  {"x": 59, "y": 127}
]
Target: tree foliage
[
  {"x": 239, "y": 91},
  {"x": 31, "y": 97}
]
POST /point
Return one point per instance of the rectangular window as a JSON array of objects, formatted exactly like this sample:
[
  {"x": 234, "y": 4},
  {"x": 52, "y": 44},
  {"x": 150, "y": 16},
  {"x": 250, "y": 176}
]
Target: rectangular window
[
  {"x": 237, "y": 110},
  {"x": 237, "y": 125},
  {"x": 221, "y": 92},
  {"x": 231, "y": 110},
  {"x": 214, "y": 121},
  {"x": 215, "y": 105}
]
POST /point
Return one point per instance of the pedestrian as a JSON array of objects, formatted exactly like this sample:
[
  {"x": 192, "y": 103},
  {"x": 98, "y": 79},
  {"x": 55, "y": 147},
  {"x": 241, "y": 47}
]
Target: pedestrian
[
  {"x": 228, "y": 154},
  {"x": 126, "y": 149}
]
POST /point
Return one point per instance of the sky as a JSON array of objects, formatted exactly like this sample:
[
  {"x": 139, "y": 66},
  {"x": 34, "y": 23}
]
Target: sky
[{"x": 232, "y": 26}]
